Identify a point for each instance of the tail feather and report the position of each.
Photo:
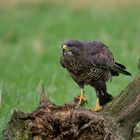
(119, 68)
(120, 65)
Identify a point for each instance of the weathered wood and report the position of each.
(125, 109)
(116, 121)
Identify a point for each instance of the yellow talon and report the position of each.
(97, 107)
(81, 97)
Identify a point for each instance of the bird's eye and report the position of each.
(70, 46)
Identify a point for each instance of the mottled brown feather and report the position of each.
(91, 63)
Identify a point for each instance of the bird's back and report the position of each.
(98, 54)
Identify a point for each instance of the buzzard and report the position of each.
(91, 63)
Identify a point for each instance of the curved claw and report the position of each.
(97, 107)
(82, 100)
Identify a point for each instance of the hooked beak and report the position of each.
(66, 48)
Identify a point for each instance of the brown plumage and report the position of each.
(91, 63)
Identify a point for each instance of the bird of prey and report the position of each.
(91, 63)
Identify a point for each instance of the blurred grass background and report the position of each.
(31, 34)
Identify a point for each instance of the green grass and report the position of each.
(30, 49)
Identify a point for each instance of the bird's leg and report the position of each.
(81, 97)
(100, 88)
(97, 106)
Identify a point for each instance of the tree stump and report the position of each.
(116, 121)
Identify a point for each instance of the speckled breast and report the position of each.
(85, 73)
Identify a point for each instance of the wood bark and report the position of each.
(116, 121)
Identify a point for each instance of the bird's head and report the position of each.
(71, 47)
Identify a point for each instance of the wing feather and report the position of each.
(99, 55)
